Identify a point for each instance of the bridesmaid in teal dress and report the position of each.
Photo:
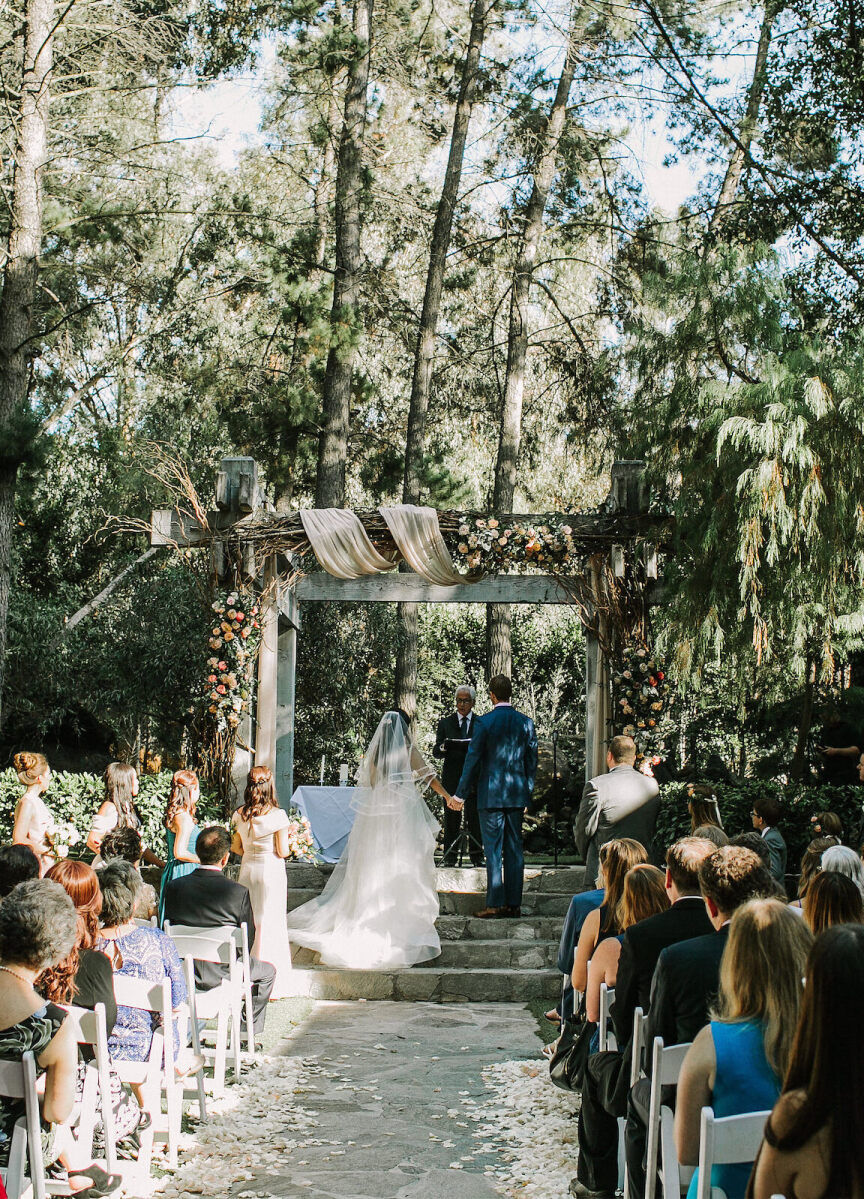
(181, 831)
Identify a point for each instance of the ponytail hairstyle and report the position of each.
(616, 858)
(260, 794)
(30, 767)
(119, 781)
(183, 783)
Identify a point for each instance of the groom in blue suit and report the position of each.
(503, 753)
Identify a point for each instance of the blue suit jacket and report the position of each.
(501, 761)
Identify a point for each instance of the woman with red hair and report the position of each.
(85, 977)
(181, 831)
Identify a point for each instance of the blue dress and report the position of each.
(744, 1082)
(146, 953)
(174, 869)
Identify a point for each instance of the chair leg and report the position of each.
(174, 1105)
(236, 1038)
(221, 1054)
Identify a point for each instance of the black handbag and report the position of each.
(567, 1065)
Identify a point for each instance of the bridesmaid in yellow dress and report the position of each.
(260, 829)
(33, 817)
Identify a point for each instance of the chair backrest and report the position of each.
(638, 1041)
(222, 944)
(607, 994)
(18, 1081)
(87, 1024)
(666, 1063)
(143, 994)
(725, 1140)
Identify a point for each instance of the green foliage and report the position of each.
(77, 797)
(735, 800)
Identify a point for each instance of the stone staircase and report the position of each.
(483, 961)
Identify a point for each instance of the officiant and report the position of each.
(451, 743)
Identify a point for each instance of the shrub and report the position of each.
(75, 797)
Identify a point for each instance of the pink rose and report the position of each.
(211, 678)
(221, 665)
(221, 688)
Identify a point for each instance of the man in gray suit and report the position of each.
(622, 803)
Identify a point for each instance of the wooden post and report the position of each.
(596, 691)
(265, 731)
(286, 675)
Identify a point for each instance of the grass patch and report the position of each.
(546, 1030)
(283, 1016)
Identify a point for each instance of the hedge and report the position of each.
(75, 797)
(798, 803)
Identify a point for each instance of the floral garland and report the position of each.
(643, 695)
(487, 545)
(236, 638)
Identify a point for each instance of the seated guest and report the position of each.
(18, 864)
(644, 896)
(811, 864)
(139, 952)
(207, 899)
(38, 928)
(827, 824)
(580, 906)
(765, 816)
(753, 842)
(621, 855)
(737, 1063)
(712, 833)
(125, 844)
(814, 1140)
(687, 977)
(607, 1076)
(84, 977)
(842, 860)
(832, 898)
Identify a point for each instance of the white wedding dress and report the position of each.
(378, 909)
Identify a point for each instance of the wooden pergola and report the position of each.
(618, 541)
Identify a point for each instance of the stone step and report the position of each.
(495, 955)
(561, 879)
(432, 985)
(456, 903)
(526, 928)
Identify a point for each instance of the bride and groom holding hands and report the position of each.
(379, 907)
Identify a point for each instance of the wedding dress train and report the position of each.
(378, 909)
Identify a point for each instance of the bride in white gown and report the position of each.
(378, 909)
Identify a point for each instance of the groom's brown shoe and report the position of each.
(490, 913)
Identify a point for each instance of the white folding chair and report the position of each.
(155, 1075)
(665, 1070)
(726, 1140)
(90, 1029)
(240, 936)
(18, 1081)
(224, 1003)
(607, 1038)
(635, 1071)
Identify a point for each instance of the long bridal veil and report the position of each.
(379, 906)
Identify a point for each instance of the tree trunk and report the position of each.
(747, 129)
(322, 190)
(19, 279)
(345, 315)
(424, 355)
(498, 659)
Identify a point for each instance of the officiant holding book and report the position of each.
(451, 744)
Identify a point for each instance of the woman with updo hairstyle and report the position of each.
(33, 817)
(181, 830)
(118, 810)
(261, 836)
(38, 929)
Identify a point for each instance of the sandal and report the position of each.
(553, 1016)
(549, 1050)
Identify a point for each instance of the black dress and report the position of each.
(94, 983)
(33, 1033)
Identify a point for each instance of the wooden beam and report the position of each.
(411, 588)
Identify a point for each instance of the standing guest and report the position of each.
(842, 860)
(622, 803)
(181, 829)
(814, 1140)
(736, 1064)
(261, 836)
(125, 844)
(503, 756)
(451, 743)
(644, 896)
(832, 898)
(703, 807)
(687, 977)
(607, 1076)
(620, 856)
(38, 926)
(18, 864)
(207, 899)
(140, 952)
(33, 818)
(811, 864)
(840, 747)
(765, 815)
(118, 811)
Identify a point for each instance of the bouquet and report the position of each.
(61, 837)
(300, 838)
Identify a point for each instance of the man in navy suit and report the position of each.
(502, 762)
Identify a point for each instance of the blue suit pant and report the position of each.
(501, 829)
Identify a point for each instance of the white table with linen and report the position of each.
(330, 814)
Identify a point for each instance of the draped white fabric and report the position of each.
(341, 545)
(416, 533)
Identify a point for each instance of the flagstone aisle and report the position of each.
(381, 1100)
